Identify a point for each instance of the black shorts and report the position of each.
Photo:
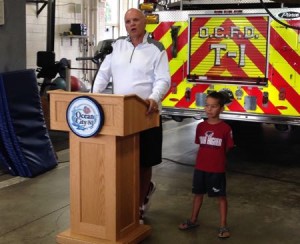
(151, 146)
(214, 184)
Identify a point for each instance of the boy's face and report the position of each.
(213, 108)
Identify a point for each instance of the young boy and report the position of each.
(214, 137)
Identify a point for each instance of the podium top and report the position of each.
(123, 114)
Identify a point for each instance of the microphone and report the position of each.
(84, 58)
(101, 55)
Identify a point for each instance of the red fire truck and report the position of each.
(249, 50)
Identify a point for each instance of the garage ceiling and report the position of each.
(287, 1)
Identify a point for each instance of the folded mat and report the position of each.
(26, 148)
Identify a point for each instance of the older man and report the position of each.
(139, 65)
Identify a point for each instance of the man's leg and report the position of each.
(145, 179)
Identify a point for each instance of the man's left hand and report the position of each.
(152, 106)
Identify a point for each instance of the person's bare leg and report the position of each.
(145, 179)
(197, 203)
(223, 205)
(223, 211)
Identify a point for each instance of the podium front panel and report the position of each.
(104, 185)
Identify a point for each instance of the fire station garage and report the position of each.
(70, 158)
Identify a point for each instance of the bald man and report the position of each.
(139, 65)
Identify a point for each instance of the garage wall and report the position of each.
(13, 37)
(25, 33)
(66, 12)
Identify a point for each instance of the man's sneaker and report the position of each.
(141, 216)
(141, 221)
(151, 190)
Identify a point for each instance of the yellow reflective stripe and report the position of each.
(274, 99)
(286, 70)
(181, 88)
(262, 40)
(290, 36)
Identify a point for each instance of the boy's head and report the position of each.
(214, 105)
(218, 96)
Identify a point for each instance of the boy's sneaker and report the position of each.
(151, 190)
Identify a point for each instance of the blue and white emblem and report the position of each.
(85, 116)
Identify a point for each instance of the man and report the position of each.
(139, 65)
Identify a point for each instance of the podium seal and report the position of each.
(85, 116)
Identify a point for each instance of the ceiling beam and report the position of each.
(287, 1)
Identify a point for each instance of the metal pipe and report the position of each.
(50, 25)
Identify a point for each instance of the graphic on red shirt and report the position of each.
(214, 140)
(209, 139)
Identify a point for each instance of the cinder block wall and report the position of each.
(66, 13)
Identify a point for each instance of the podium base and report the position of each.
(134, 237)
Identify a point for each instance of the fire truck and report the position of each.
(248, 50)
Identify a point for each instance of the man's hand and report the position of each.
(152, 106)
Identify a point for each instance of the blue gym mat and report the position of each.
(25, 149)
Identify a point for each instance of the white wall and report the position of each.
(92, 13)
(66, 12)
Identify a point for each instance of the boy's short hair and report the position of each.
(219, 96)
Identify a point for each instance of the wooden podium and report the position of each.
(104, 170)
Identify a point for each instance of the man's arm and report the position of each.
(161, 84)
(162, 78)
(103, 76)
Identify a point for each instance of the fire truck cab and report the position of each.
(248, 50)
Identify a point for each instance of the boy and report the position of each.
(214, 137)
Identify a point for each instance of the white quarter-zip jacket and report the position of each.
(142, 70)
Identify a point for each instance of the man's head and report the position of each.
(135, 23)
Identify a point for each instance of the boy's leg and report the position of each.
(217, 188)
(197, 203)
(223, 211)
(191, 223)
(223, 230)
(199, 189)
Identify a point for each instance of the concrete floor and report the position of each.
(263, 192)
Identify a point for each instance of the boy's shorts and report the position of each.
(151, 146)
(214, 184)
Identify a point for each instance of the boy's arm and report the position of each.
(229, 141)
(197, 141)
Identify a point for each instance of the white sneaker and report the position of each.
(151, 190)
(141, 216)
(141, 221)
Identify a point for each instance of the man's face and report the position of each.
(135, 23)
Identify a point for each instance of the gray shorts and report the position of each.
(214, 184)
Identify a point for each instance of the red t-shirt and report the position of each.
(214, 140)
